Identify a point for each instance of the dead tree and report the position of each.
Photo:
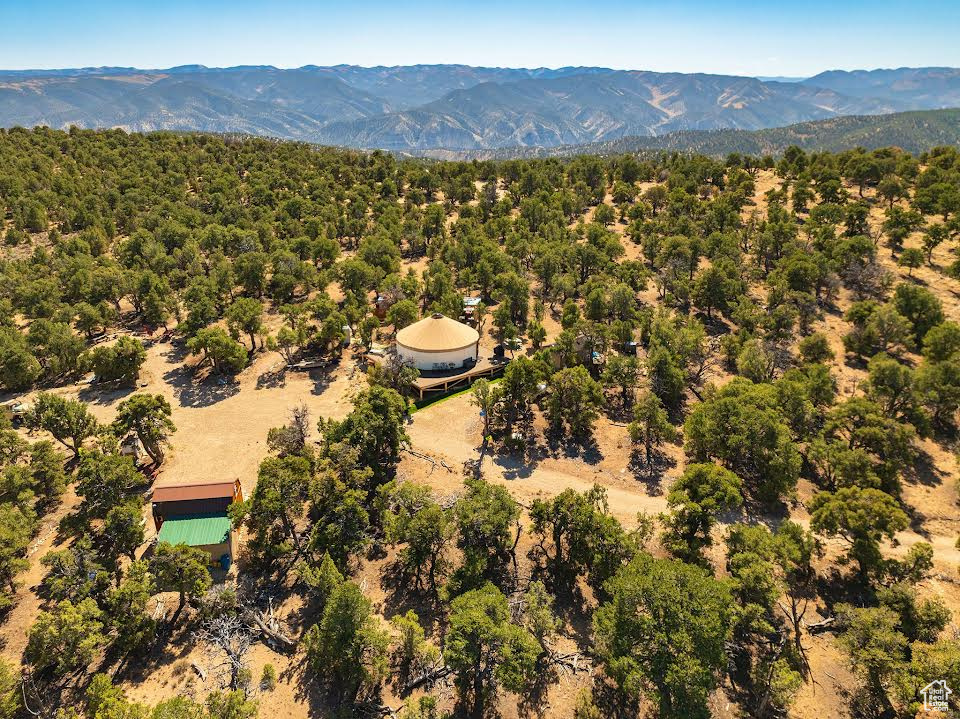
(300, 423)
(795, 614)
(34, 699)
(572, 662)
(292, 438)
(228, 638)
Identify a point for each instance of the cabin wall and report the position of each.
(216, 551)
(215, 505)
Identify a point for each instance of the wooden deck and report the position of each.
(442, 382)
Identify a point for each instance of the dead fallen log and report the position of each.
(419, 455)
(200, 671)
(449, 501)
(427, 458)
(573, 662)
(273, 637)
(821, 626)
(428, 677)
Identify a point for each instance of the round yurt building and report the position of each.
(438, 343)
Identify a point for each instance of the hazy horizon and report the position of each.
(158, 68)
(684, 37)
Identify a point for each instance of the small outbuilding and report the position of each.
(438, 343)
(196, 515)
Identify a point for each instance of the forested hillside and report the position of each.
(717, 477)
(914, 132)
(452, 107)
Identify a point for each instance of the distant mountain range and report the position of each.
(912, 131)
(456, 107)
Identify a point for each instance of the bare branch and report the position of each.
(229, 639)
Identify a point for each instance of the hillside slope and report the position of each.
(911, 131)
(586, 108)
(924, 85)
(455, 107)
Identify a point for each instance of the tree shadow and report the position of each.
(312, 691)
(273, 379)
(207, 391)
(51, 694)
(171, 643)
(583, 448)
(298, 619)
(533, 701)
(401, 595)
(918, 522)
(946, 434)
(571, 603)
(714, 325)
(831, 308)
(923, 470)
(676, 414)
(461, 710)
(618, 411)
(106, 393)
(612, 702)
(774, 513)
(834, 587)
(572, 607)
(177, 353)
(514, 466)
(651, 475)
(321, 378)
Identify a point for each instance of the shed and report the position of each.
(196, 514)
(210, 532)
(438, 343)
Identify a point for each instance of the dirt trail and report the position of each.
(451, 430)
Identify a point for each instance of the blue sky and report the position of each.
(721, 36)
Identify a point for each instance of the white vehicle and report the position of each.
(14, 410)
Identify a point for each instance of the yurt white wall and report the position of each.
(437, 343)
(430, 360)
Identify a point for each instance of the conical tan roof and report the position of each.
(437, 333)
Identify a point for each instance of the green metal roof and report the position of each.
(195, 530)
